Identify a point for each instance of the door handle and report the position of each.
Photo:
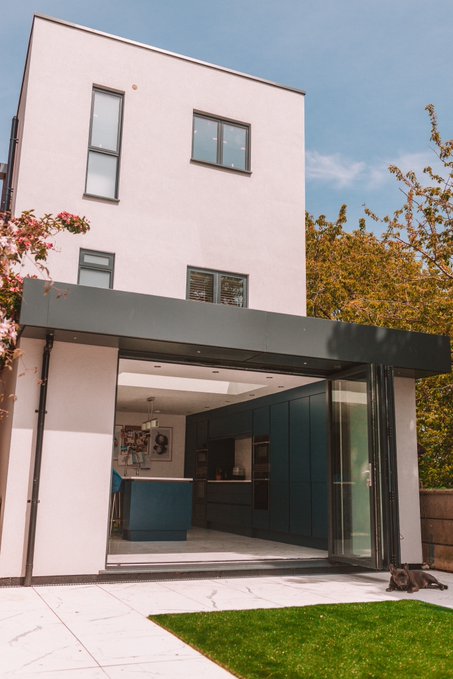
(367, 475)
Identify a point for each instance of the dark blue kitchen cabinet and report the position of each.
(289, 484)
(319, 464)
(279, 468)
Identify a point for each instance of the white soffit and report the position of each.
(127, 379)
(180, 389)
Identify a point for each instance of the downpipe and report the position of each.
(34, 501)
(8, 193)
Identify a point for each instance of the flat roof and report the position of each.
(184, 331)
(175, 55)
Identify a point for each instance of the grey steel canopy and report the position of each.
(186, 331)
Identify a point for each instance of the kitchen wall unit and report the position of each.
(287, 497)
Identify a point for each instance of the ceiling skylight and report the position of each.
(127, 379)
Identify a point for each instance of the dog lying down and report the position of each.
(406, 580)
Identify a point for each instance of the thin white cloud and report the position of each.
(333, 169)
(379, 173)
(343, 172)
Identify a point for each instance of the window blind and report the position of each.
(231, 290)
(201, 286)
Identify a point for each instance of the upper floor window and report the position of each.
(104, 144)
(96, 268)
(221, 142)
(217, 287)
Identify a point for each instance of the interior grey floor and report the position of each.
(207, 545)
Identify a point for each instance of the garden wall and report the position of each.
(436, 508)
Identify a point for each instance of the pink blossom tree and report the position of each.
(23, 238)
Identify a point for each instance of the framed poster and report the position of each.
(160, 444)
(134, 446)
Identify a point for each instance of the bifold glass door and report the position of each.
(354, 484)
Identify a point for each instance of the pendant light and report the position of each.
(151, 422)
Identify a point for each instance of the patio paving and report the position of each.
(98, 631)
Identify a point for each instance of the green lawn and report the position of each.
(394, 639)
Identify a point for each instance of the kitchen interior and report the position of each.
(189, 476)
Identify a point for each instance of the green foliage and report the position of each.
(403, 639)
(435, 431)
(357, 278)
(403, 280)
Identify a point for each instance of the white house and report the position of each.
(183, 307)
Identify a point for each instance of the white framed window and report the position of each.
(218, 287)
(104, 144)
(96, 268)
(221, 142)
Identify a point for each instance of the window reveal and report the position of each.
(217, 287)
(104, 144)
(96, 268)
(221, 142)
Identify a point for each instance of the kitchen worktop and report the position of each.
(229, 481)
(156, 478)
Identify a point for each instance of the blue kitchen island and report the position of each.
(156, 508)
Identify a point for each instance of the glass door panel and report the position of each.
(352, 491)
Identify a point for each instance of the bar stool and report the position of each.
(115, 509)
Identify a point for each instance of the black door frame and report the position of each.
(386, 430)
(384, 496)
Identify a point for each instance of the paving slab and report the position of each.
(98, 631)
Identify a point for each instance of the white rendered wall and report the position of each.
(172, 213)
(407, 468)
(161, 468)
(16, 466)
(7, 388)
(76, 467)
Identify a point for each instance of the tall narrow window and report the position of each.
(221, 142)
(217, 287)
(96, 268)
(104, 144)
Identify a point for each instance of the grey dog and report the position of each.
(406, 580)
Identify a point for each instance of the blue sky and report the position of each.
(369, 67)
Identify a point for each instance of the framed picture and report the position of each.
(133, 447)
(160, 444)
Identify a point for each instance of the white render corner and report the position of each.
(407, 469)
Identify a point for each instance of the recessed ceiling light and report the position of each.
(198, 351)
(305, 363)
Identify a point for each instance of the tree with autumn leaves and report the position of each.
(402, 279)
